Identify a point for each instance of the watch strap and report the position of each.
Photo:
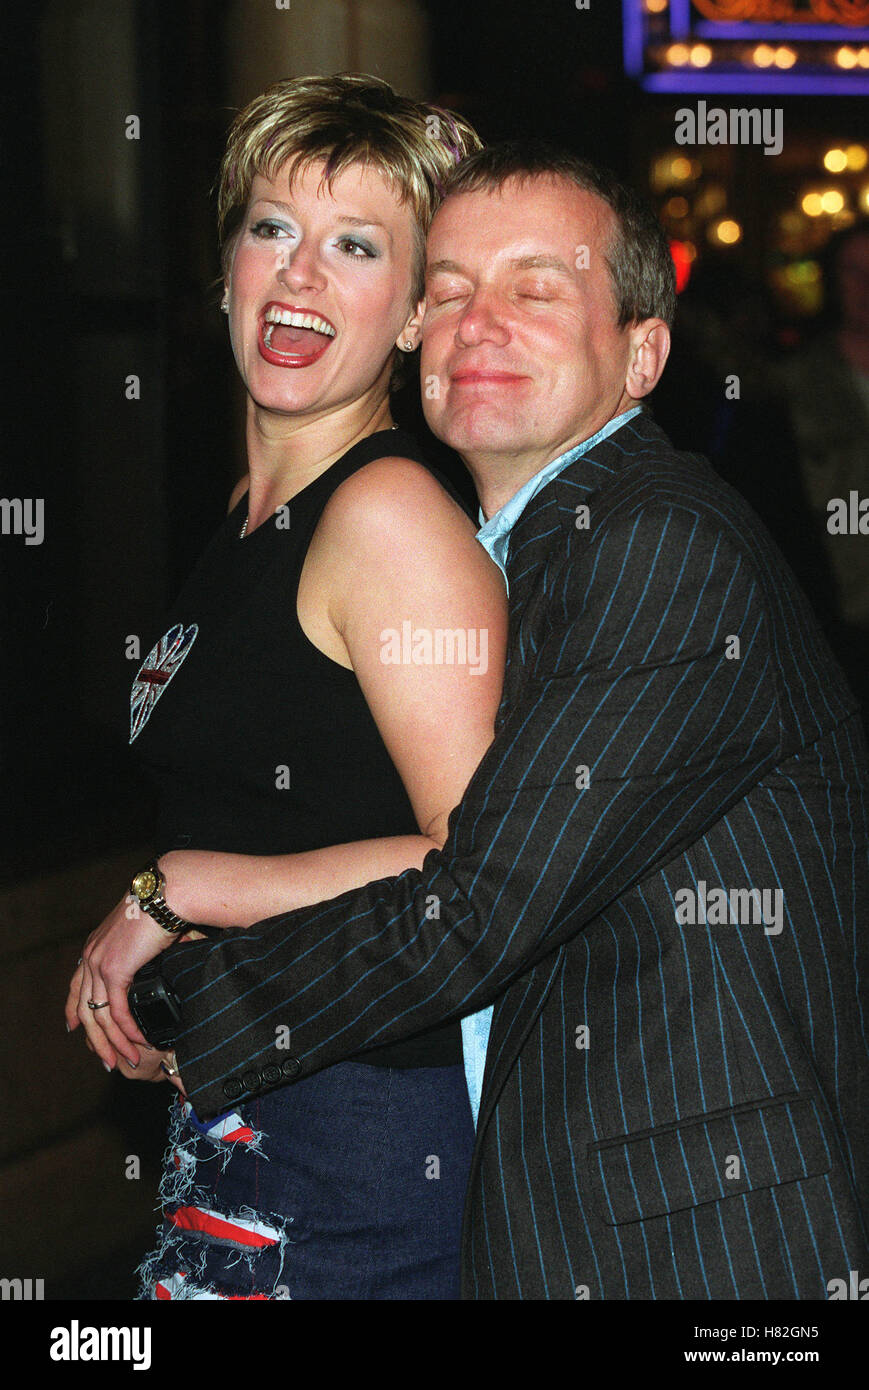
(147, 888)
(155, 1006)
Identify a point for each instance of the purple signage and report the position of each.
(772, 46)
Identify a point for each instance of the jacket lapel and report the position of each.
(541, 532)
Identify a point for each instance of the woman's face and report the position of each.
(319, 287)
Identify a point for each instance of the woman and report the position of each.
(280, 715)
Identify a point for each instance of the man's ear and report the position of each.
(408, 338)
(650, 347)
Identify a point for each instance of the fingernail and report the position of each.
(133, 1064)
(67, 1027)
(107, 1067)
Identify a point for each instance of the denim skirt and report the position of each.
(348, 1184)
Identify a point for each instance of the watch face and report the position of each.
(145, 884)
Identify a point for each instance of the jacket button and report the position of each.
(232, 1088)
(291, 1066)
(251, 1080)
(271, 1074)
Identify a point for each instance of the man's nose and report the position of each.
(483, 320)
(299, 267)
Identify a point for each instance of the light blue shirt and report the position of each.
(494, 537)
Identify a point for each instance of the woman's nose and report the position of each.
(298, 267)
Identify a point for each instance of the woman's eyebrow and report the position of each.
(273, 203)
(342, 216)
(360, 221)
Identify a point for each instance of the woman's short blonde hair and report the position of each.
(343, 120)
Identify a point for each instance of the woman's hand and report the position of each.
(153, 1066)
(125, 941)
(128, 939)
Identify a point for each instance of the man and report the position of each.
(657, 873)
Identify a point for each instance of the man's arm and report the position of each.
(637, 682)
(436, 720)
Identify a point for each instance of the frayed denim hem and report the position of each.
(199, 1237)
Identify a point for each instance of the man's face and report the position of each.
(520, 324)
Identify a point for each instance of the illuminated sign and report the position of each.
(772, 46)
(786, 11)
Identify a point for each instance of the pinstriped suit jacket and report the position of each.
(671, 1108)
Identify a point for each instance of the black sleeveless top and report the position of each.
(256, 741)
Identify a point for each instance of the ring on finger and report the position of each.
(94, 1007)
(172, 1069)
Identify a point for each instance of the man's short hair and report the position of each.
(639, 261)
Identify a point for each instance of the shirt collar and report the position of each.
(494, 534)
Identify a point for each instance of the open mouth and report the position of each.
(293, 337)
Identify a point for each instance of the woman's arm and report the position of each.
(399, 590)
(393, 573)
(236, 890)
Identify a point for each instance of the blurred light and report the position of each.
(846, 58)
(835, 161)
(795, 232)
(832, 200)
(659, 172)
(679, 53)
(683, 253)
(857, 157)
(802, 272)
(669, 168)
(656, 6)
(802, 282)
(785, 57)
(798, 286)
(701, 55)
(677, 207)
(863, 57)
(864, 197)
(682, 168)
(727, 231)
(812, 204)
(710, 200)
(764, 56)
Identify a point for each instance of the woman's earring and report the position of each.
(408, 345)
(224, 303)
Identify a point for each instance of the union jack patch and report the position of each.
(155, 673)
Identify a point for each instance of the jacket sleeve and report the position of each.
(650, 709)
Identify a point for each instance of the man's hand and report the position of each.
(154, 1066)
(119, 947)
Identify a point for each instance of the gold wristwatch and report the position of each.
(147, 888)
